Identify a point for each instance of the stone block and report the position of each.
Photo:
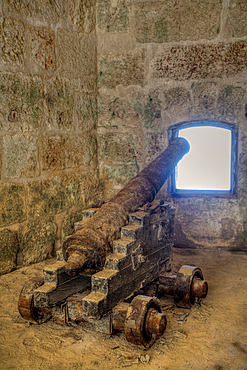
(204, 95)
(151, 22)
(121, 173)
(117, 147)
(47, 10)
(76, 54)
(113, 17)
(81, 150)
(21, 103)
(53, 152)
(12, 201)
(112, 111)
(148, 107)
(86, 111)
(37, 240)
(175, 21)
(8, 251)
(69, 221)
(177, 102)
(230, 102)
(133, 112)
(55, 195)
(182, 63)
(82, 15)
(43, 47)
(154, 145)
(88, 84)
(238, 17)
(21, 156)
(60, 151)
(60, 104)
(91, 189)
(125, 71)
(12, 42)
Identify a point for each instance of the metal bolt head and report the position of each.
(199, 288)
(155, 322)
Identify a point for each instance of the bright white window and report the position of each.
(207, 166)
(210, 165)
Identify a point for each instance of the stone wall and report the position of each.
(48, 147)
(165, 62)
(87, 93)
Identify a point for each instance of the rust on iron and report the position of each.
(155, 322)
(119, 315)
(183, 286)
(87, 248)
(26, 302)
(187, 285)
(166, 284)
(142, 324)
(199, 288)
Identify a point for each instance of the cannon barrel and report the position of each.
(86, 250)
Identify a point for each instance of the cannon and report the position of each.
(88, 247)
(114, 252)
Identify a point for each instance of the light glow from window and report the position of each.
(207, 166)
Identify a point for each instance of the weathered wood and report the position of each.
(87, 248)
(48, 294)
(26, 305)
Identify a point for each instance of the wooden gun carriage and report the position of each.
(115, 251)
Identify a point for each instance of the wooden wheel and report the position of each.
(144, 321)
(26, 305)
(189, 286)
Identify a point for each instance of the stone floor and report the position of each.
(211, 336)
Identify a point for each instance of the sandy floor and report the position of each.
(212, 336)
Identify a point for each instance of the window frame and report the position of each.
(173, 133)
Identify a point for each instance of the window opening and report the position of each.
(209, 167)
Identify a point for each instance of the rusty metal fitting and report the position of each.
(186, 286)
(155, 322)
(166, 284)
(199, 288)
(144, 321)
(75, 263)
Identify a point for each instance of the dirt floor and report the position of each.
(211, 336)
